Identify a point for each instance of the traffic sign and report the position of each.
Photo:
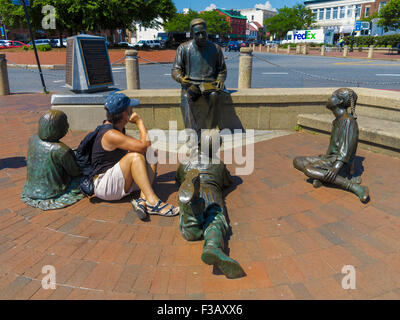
(358, 26)
(19, 2)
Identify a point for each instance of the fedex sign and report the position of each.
(305, 35)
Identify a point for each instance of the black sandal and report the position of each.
(139, 208)
(156, 210)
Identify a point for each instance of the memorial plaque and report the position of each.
(70, 62)
(88, 67)
(97, 64)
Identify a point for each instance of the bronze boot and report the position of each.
(190, 188)
(213, 254)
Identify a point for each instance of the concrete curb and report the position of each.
(62, 66)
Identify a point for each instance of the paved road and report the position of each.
(280, 71)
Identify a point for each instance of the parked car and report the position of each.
(125, 44)
(55, 43)
(40, 42)
(8, 44)
(148, 44)
(159, 44)
(232, 46)
(243, 44)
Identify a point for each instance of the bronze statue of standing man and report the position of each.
(200, 68)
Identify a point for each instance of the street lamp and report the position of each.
(352, 41)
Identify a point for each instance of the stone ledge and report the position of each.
(374, 134)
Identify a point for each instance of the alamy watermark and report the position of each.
(49, 20)
(349, 281)
(49, 280)
(232, 147)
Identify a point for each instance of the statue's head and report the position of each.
(198, 30)
(210, 141)
(343, 98)
(53, 125)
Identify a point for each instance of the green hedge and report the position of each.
(41, 47)
(380, 42)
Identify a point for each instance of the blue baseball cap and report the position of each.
(119, 102)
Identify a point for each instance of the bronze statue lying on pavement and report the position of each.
(341, 151)
(202, 205)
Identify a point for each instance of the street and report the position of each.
(269, 71)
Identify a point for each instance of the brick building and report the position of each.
(370, 8)
(237, 23)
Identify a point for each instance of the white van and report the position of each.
(312, 35)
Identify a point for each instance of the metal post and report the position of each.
(4, 85)
(132, 70)
(245, 68)
(34, 46)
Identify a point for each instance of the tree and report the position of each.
(181, 22)
(12, 15)
(389, 16)
(216, 23)
(298, 17)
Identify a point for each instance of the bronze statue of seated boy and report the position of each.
(52, 173)
(202, 208)
(341, 151)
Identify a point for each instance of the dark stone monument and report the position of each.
(88, 67)
(337, 165)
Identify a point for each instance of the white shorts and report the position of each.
(110, 185)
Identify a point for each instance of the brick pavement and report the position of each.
(58, 56)
(291, 239)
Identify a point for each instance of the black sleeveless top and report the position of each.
(102, 160)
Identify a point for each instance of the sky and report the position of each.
(200, 5)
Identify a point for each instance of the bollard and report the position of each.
(288, 49)
(260, 47)
(4, 84)
(322, 50)
(304, 49)
(268, 48)
(276, 49)
(245, 68)
(132, 70)
(298, 49)
(371, 52)
(345, 51)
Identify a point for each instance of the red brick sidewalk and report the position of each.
(291, 239)
(58, 56)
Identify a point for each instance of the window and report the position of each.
(321, 14)
(342, 12)
(367, 10)
(358, 11)
(335, 12)
(349, 11)
(328, 13)
(315, 14)
(252, 18)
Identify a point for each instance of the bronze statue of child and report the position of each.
(202, 207)
(341, 151)
(52, 173)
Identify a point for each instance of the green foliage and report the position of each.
(381, 41)
(13, 16)
(389, 16)
(75, 16)
(298, 17)
(39, 47)
(216, 23)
